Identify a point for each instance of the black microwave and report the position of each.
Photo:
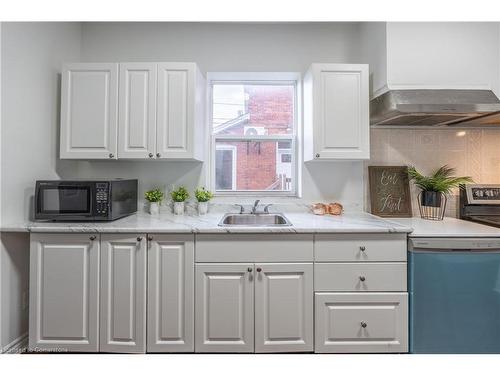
(85, 200)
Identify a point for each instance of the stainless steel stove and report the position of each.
(480, 203)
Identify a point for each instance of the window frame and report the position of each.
(262, 78)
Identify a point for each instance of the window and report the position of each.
(254, 128)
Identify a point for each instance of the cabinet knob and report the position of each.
(151, 154)
(317, 155)
(362, 278)
(259, 269)
(92, 238)
(158, 155)
(150, 238)
(362, 248)
(363, 324)
(139, 239)
(111, 156)
(249, 269)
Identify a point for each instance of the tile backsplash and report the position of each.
(473, 152)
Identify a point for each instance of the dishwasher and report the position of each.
(454, 292)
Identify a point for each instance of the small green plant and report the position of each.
(155, 195)
(203, 195)
(180, 195)
(441, 180)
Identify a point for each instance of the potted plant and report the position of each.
(434, 188)
(179, 197)
(203, 196)
(154, 197)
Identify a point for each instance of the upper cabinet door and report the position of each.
(336, 112)
(137, 111)
(224, 308)
(180, 119)
(64, 292)
(170, 293)
(89, 109)
(123, 293)
(284, 307)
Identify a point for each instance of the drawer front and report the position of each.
(389, 247)
(254, 248)
(361, 322)
(360, 277)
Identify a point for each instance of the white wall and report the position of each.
(32, 54)
(225, 47)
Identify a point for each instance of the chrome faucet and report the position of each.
(254, 208)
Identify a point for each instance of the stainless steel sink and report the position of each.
(254, 220)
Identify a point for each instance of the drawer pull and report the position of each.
(139, 239)
(259, 269)
(362, 248)
(362, 278)
(363, 324)
(249, 269)
(92, 238)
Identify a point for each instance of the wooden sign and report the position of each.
(390, 191)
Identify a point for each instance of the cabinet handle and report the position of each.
(139, 239)
(92, 238)
(249, 269)
(363, 324)
(158, 155)
(317, 155)
(259, 269)
(362, 248)
(111, 156)
(150, 238)
(362, 278)
(151, 154)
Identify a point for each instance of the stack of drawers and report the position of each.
(361, 299)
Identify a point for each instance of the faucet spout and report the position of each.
(254, 208)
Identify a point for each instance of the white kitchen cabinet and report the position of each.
(123, 293)
(170, 293)
(361, 322)
(137, 111)
(89, 111)
(64, 292)
(284, 307)
(224, 308)
(181, 103)
(336, 112)
(132, 111)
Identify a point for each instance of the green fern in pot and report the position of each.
(433, 187)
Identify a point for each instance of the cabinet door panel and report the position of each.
(284, 307)
(123, 293)
(360, 323)
(171, 294)
(224, 308)
(137, 110)
(64, 294)
(89, 111)
(176, 97)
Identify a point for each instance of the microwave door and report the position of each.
(66, 200)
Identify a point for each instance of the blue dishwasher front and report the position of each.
(454, 299)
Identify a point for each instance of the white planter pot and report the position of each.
(154, 208)
(202, 208)
(179, 208)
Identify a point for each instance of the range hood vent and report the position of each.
(431, 107)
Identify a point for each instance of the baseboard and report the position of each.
(17, 346)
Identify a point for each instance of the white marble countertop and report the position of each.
(168, 223)
(449, 227)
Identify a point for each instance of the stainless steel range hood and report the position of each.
(461, 108)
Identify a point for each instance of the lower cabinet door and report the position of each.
(170, 293)
(361, 322)
(284, 307)
(224, 308)
(123, 293)
(64, 292)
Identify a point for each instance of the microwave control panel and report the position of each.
(102, 198)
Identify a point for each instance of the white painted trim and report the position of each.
(271, 77)
(16, 346)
